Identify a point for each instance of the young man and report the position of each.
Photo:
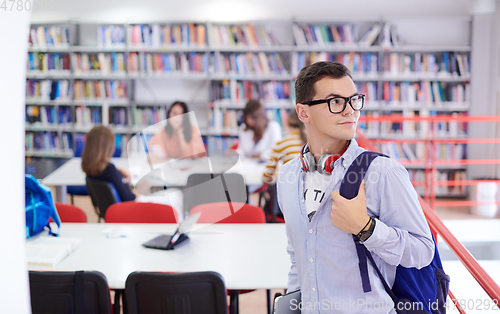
(320, 223)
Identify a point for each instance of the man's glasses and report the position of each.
(338, 104)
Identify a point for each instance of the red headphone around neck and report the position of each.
(325, 162)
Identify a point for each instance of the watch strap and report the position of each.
(364, 235)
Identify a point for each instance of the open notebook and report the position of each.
(48, 251)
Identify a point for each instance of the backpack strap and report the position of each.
(370, 257)
(349, 189)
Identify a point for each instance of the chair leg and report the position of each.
(72, 199)
(269, 303)
(116, 306)
(233, 302)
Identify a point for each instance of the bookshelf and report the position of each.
(126, 75)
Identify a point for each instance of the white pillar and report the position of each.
(14, 291)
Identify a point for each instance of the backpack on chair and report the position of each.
(415, 290)
(39, 207)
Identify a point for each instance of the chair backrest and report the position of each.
(203, 188)
(70, 213)
(69, 292)
(224, 212)
(103, 194)
(180, 293)
(134, 212)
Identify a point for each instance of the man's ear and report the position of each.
(303, 112)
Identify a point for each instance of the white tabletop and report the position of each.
(248, 256)
(168, 174)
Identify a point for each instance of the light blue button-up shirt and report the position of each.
(324, 263)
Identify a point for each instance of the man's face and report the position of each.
(339, 126)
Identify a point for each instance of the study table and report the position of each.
(169, 174)
(248, 256)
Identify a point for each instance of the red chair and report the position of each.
(70, 213)
(222, 212)
(225, 213)
(135, 212)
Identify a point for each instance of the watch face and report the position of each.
(365, 236)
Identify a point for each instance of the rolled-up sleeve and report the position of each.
(402, 235)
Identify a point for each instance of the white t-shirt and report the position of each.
(314, 190)
(247, 147)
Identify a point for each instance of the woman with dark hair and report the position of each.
(257, 135)
(179, 139)
(287, 148)
(99, 148)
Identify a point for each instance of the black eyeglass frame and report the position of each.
(346, 100)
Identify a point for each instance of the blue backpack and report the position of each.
(39, 207)
(415, 290)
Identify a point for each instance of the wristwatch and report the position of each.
(364, 235)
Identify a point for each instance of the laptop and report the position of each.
(169, 242)
(288, 304)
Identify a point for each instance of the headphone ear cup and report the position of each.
(310, 161)
(325, 163)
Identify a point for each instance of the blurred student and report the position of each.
(287, 148)
(257, 135)
(98, 151)
(179, 139)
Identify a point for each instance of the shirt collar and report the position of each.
(349, 155)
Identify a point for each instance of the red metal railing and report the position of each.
(437, 227)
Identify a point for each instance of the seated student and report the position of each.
(99, 149)
(179, 139)
(257, 135)
(287, 148)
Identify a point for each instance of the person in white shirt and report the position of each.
(257, 135)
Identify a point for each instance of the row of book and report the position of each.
(154, 63)
(228, 121)
(370, 90)
(118, 117)
(341, 34)
(45, 90)
(241, 91)
(414, 129)
(146, 116)
(53, 63)
(425, 92)
(446, 64)
(49, 36)
(360, 64)
(242, 36)
(99, 63)
(111, 36)
(418, 151)
(248, 63)
(456, 176)
(48, 115)
(100, 90)
(156, 35)
(224, 121)
(218, 143)
(48, 142)
(87, 116)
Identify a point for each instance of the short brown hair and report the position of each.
(309, 75)
(99, 148)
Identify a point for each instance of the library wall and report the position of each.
(483, 93)
(115, 11)
(14, 293)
